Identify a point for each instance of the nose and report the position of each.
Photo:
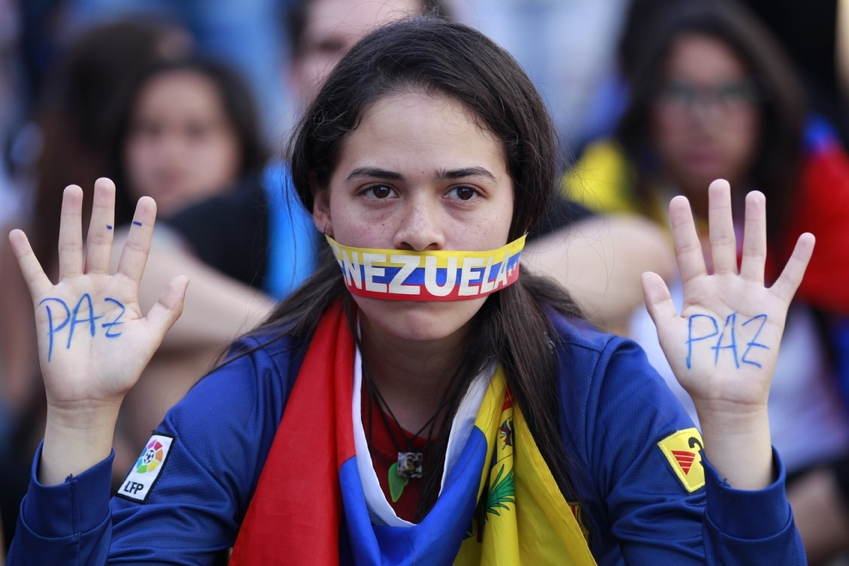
(171, 148)
(419, 228)
(709, 114)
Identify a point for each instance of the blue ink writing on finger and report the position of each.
(728, 329)
(75, 320)
(753, 343)
(51, 328)
(108, 226)
(691, 322)
(115, 321)
(136, 223)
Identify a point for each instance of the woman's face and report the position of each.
(705, 118)
(418, 173)
(181, 147)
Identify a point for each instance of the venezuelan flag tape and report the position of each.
(441, 275)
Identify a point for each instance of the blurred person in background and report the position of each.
(811, 37)
(190, 131)
(712, 96)
(244, 35)
(78, 110)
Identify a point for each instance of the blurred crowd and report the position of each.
(191, 102)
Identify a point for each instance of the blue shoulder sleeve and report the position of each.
(616, 412)
(184, 498)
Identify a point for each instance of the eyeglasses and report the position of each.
(729, 97)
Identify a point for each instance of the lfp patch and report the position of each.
(683, 452)
(146, 470)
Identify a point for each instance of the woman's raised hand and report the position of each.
(94, 341)
(724, 343)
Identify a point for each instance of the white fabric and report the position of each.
(381, 511)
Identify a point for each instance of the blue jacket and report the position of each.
(614, 411)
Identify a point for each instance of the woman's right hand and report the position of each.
(94, 342)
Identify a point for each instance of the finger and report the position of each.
(754, 238)
(723, 242)
(168, 308)
(790, 278)
(137, 247)
(658, 299)
(101, 227)
(70, 233)
(37, 281)
(688, 248)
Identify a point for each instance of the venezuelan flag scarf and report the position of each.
(309, 507)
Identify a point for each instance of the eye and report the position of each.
(379, 192)
(463, 192)
(678, 93)
(738, 92)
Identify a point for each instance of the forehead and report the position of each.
(703, 58)
(181, 78)
(183, 86)
(414, 131)
(353, 19)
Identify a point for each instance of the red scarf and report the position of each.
(296, 510)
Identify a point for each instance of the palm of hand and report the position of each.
(724, 344)
(86, 325)
(94, 341)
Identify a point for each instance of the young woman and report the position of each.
(190, 131)
(429, 404)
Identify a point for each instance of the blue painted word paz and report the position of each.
(726, 339)
(83, 313)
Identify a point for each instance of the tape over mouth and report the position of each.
(431, 275)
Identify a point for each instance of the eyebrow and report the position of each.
(376, 172)
(465, 172)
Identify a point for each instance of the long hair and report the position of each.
(512, 328)
(654, 26)
(237, 103)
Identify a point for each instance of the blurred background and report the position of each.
(192, 102)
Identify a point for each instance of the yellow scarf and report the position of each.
(525, 518)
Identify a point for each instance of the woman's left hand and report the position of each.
(724, 343)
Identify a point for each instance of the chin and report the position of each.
(417, 320)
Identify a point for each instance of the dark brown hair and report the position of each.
(653, 29)
(512, 328)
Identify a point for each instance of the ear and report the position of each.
(321, 212)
